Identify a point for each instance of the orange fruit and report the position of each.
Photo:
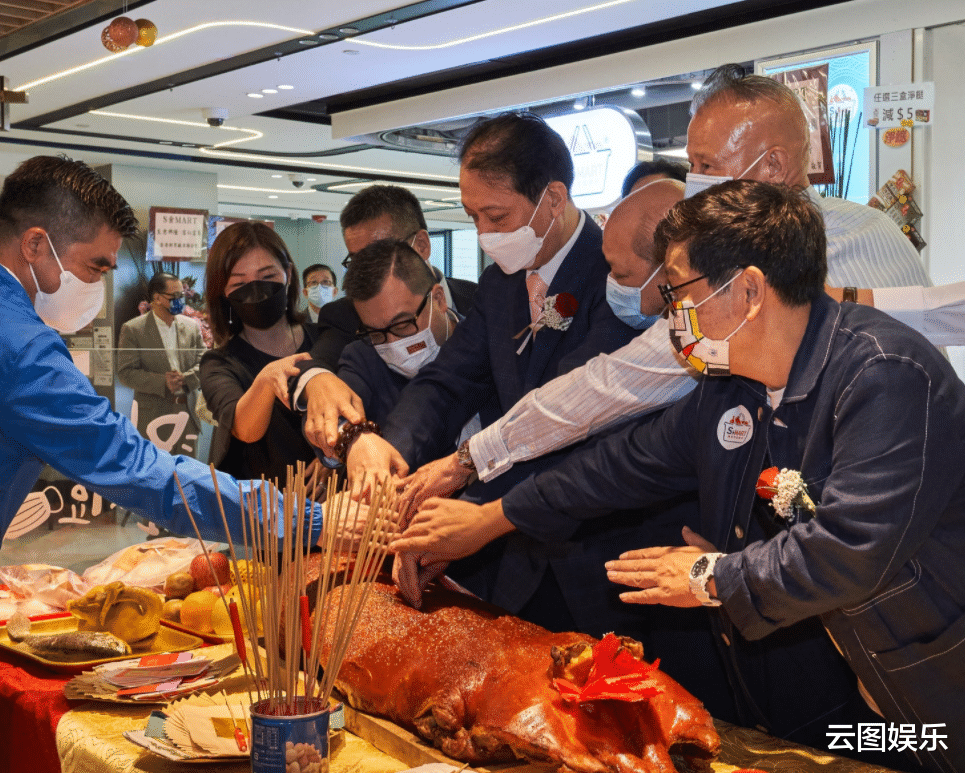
(196, 610)
(221, 619)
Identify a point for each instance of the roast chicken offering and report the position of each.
(485, 687)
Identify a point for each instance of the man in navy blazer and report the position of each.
(515, 179)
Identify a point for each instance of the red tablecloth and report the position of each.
(31, 704)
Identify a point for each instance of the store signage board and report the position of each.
(177, 234)
(890, 106)
(603, 144)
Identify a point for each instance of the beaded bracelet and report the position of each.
(348, 433)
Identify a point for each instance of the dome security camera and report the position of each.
(215, 116)
(297, 180)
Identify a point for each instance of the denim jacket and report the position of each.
(874, 419)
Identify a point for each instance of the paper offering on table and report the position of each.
(172, 677)
(203, 726)
(132, 673)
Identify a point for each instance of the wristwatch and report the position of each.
(700, 575)
(464, 457)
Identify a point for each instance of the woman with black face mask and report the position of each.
(252, 292)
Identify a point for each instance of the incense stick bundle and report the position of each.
(276, 550)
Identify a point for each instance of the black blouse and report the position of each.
(226, 374)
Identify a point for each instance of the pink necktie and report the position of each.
(537, 295)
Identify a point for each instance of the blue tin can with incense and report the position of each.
(287, 738)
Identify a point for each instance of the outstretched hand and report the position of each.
(442, 531)
(372, 460)
(329, 398)
(276, 374)
(663, 574)
(441, 478)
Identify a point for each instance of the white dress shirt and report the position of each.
(865, 249)
(169, 337)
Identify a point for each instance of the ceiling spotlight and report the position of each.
(327, 37)
(285, 87)
(579, 104)
(269, 91)
(276, 176)
(272, 195)
(308, 42)
(309, 179)
(348, 30)
(695, 85)
(638, 91)
(253, 95)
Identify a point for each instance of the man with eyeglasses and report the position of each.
(404, 320)
(319, 286)
(159, 356)
(853, 548)
(374, 213)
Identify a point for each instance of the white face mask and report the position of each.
(701, 182)
(709, 356)
(73, 305)
(407, 355)
(319, 295)
(625, 302)
(518, 249)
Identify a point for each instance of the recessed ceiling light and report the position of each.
(83, 125)
(285, 87)
(350, 51)
(309, 179)
(272, 195)
(308, 42)
(269, 91)
(276, 176)
(165, 142)
(327, 37)
(579, 104)
(638, 91)
(253, 95)
(348, 30)
(695, 85)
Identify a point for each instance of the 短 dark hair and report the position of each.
(743, 223)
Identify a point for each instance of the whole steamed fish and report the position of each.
(72, 644)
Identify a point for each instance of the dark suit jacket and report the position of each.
(481, 360)
(377, 385)
(337, 323)
(142, 364)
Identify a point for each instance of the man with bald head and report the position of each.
(752, 127)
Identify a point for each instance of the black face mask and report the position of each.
(260, 304)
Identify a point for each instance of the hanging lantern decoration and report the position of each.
(119, 34)
(108, 41)
(146, 32)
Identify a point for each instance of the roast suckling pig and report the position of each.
(479, 684)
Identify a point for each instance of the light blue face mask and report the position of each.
(701, 182)
(625, 303)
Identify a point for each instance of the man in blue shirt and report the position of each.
(61, 226)
(869, 416)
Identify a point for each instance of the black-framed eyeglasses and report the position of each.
(400, 329)
(348, 258)
(667, 291)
